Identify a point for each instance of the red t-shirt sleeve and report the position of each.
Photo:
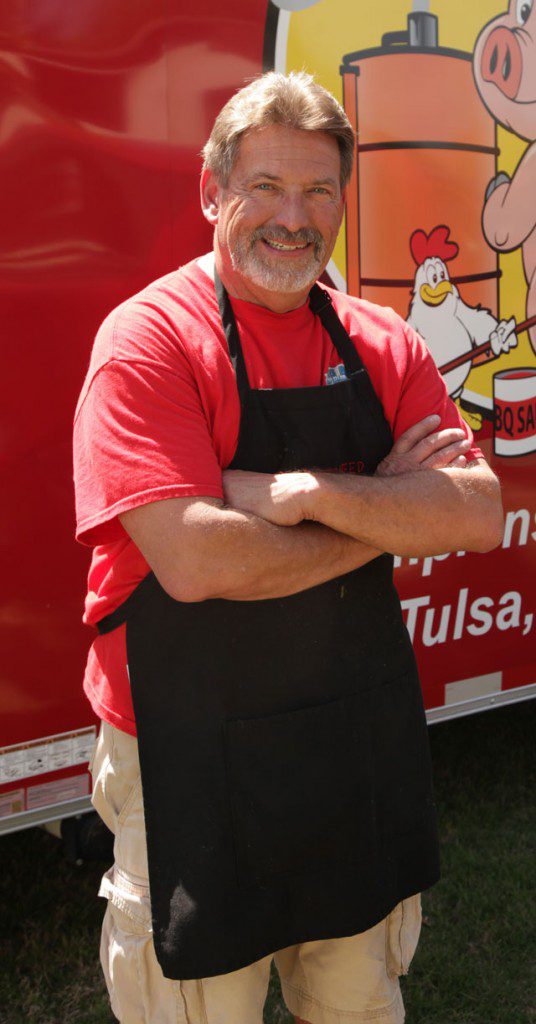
(424, 393)
(140, 435)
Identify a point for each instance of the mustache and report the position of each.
(278, 233)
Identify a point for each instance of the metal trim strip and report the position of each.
(477, 704)
(41, 815)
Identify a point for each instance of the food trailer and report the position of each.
(106, 109)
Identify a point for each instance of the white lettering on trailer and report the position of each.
(483, 621)
(460, 614)
(428, 636)
(412, 605)
(523, 515)
(474, 616)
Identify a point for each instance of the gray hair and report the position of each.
(294, 101)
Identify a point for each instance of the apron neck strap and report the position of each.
(232, 336)
(321, 305)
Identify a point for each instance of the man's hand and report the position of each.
(283, 499)
(279, 499)
(425, 447)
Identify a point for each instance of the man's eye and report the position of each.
(318, 190)
(264, 186)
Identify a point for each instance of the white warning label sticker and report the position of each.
(11, 803)
(56, 792)
(49, 754)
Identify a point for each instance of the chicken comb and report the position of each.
(437, 243)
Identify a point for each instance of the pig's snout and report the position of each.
(502, 62)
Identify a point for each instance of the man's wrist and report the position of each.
(311, 491)
(320, 491)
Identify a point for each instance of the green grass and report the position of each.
(476, 960)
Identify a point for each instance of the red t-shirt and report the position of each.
(158, 417)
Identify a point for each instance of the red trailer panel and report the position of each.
(106, 108)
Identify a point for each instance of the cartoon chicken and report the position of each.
(449, 326)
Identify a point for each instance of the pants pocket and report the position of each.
(115, 770)
(139, 993)
(300, 786)
(117, 798)
(403, 928)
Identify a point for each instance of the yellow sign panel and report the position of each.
(439, 185)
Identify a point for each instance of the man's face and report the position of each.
(280, 212)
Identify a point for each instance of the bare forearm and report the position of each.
(416, 514)
(256, 560)
(424, 498)
(222, 552)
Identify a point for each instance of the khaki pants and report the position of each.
(337, 981)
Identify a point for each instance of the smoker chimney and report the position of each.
(422, 27)
(422, 30)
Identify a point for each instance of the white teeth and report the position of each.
(281, 245)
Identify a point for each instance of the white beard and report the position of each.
(249, 261)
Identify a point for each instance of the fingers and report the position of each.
(415, 434)
(451, 455)
(422, 446)
(438, 442)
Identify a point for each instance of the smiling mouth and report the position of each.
(284, 247)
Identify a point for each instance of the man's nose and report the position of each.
(292, 213)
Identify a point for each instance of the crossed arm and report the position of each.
(422, 500)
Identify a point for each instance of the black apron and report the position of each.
(283, 742)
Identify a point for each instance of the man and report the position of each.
(287, 803)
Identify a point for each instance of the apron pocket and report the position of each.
(301, 789)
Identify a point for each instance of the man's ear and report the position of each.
(210, 196)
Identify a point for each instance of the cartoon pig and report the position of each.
(504, 66)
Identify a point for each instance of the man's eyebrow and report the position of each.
(263, 174)
(325, 181)
(274, 177)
